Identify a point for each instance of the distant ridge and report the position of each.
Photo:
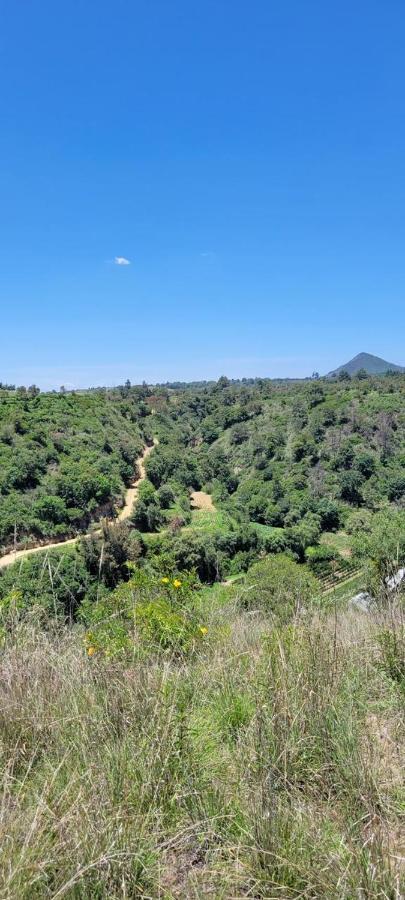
(373, 365)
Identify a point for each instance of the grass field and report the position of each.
(339, 540)
(266, 764)
(209, 520)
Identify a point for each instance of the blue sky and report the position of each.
(247, 158)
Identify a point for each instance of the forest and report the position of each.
(230, 703)
(278, 467)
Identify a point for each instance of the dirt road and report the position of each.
(130, 498)
(132, 492)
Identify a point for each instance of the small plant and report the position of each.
(149, 612)
(391, 642)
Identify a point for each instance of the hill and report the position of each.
(373, 365)
(190, 701)
(65, 460)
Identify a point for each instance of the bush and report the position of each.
(148, 613)
(53, 582)
(329, 513)
(359, 521)
(50, 509)
(107, 554)
(280, 587)
(166, 496)
(319, 558)
(350, 485)
(396, 487)
(384, 544)
(275, 542)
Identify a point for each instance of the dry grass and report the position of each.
(201, 500)
(266, 766)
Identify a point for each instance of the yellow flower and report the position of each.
(203, 629)
(91, 651)
(164, 580)
(176, 583)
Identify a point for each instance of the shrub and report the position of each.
(396, 487)
(54, 582)
(384, 543)
(279, 586)
(148, 613)
(319, 558)
(350, 484)
(166, 496)
(106, 555)
(329, 513)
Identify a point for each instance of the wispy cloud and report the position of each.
(122, 261)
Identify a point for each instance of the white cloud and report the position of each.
(122, 261)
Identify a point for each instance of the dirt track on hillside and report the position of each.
(132, 492)
(130, 498)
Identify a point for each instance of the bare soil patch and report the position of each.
(201, 500)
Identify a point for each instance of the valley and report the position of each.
(208, 657)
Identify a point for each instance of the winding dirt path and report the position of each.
(132, 492)
(130, 497)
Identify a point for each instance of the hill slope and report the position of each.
(64, 461)
(373, 365)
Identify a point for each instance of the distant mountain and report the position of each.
(373, 365)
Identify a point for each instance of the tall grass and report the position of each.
(265, 766)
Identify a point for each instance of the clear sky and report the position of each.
(247, 158)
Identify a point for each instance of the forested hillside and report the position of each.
(65, 459)
(197, 700)
(282, 462)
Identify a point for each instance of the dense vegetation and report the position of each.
(190, 704)
(284, 463)
(290, 467)
(65, 459)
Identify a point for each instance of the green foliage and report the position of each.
(359, 521)
(384, 543)
(106, 555)
(306, 533)
(396, 486)
(166, 496)
(148, 613)
(54, 583)
(329, 512)
(320, 558)
(280, 587)
(284, 462)
(64, 459)
(392, 646)
(350, 487)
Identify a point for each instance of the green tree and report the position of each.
(384, 544)
(350, 486)
(280, 587)
(106, 555)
